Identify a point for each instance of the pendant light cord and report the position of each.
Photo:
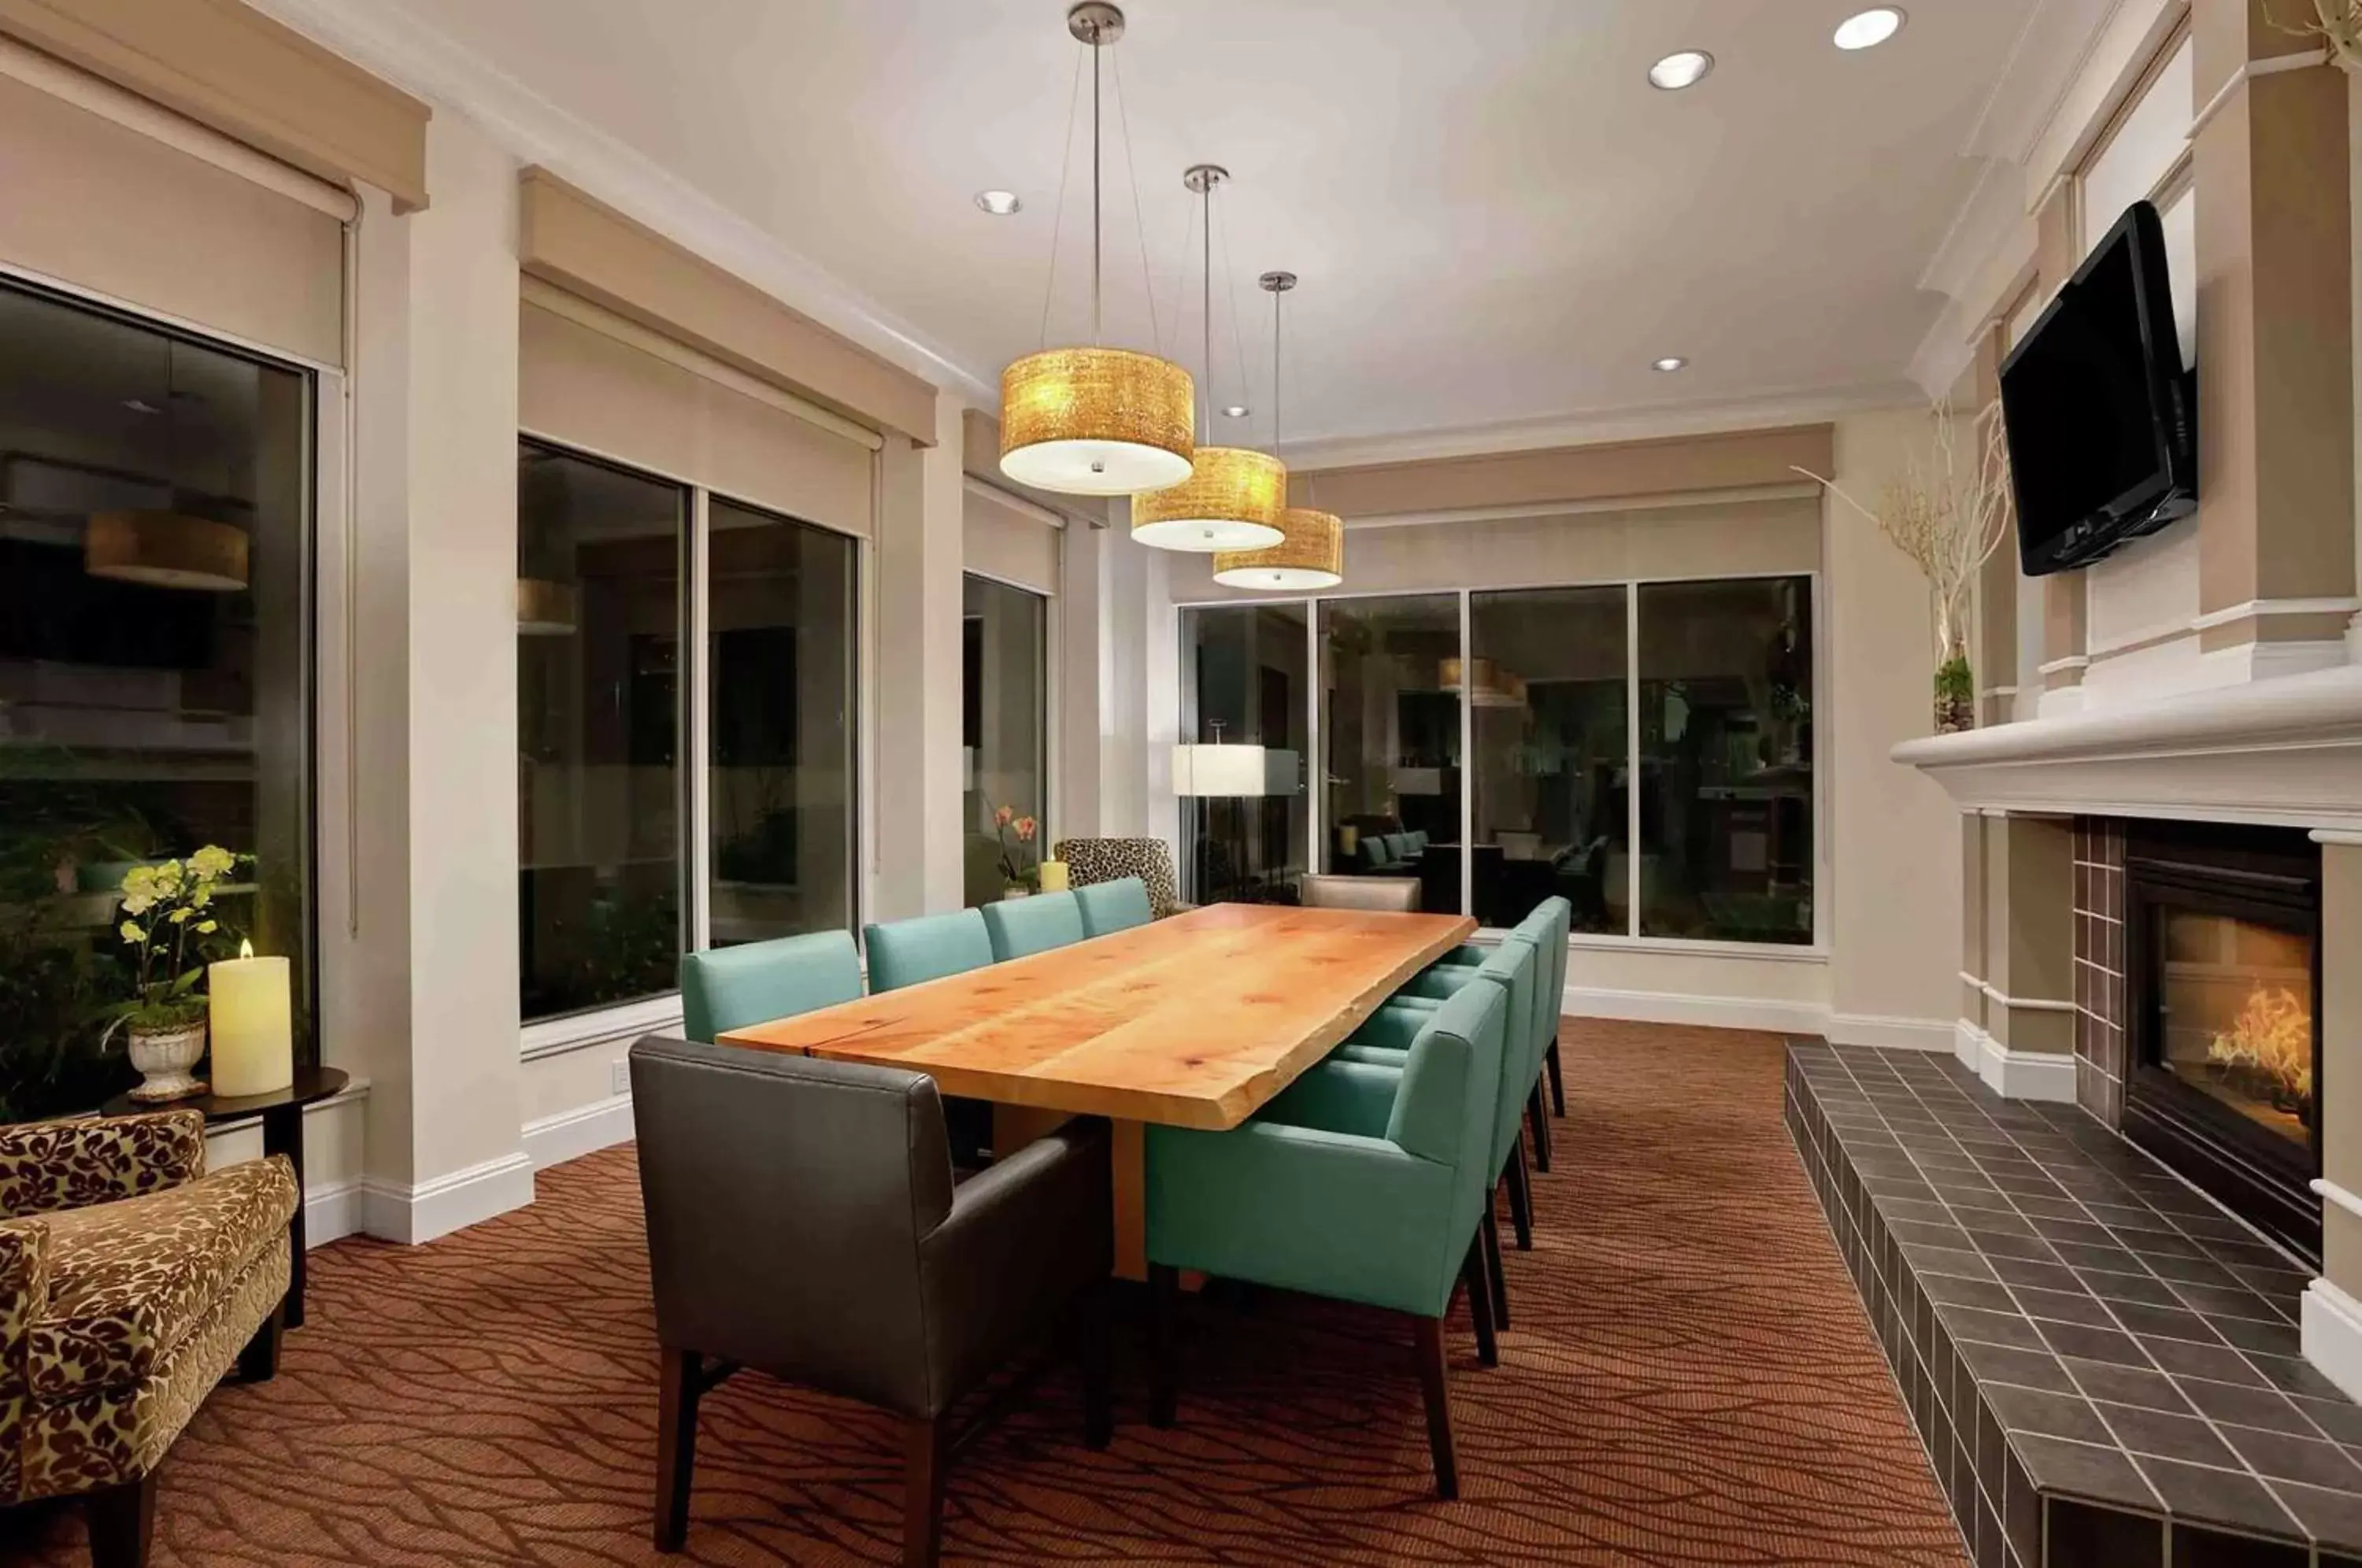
(1206, 398)
(1132, 172)
(1096, 309)
(1058, 218)
(1274, 370)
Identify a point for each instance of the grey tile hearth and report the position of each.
(2104, 1365)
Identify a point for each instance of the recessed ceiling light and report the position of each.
(1237, 411)
(1686, 68)
(1869, 28)
(1000, 203)
(1671, 363)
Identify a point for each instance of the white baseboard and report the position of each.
(1708, 1012)
(426, 1210)
(2332, 1328)
(331, 1213)
(2015, 1074)
(1891, 1033)
(570, 1134)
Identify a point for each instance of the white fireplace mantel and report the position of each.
(2285, 751)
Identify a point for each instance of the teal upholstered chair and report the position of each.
(908, 952)
(730, 987)
(1020, 927)
(1358, 1183)
(1113, 906)
(1516, 968)
(1547, 926)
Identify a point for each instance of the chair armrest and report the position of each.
(1023, 1238)
(1440, 981)
(49, 1166)
(1338, 1097)
(1300, 1208)
(1392, 1027)
(23, 1301)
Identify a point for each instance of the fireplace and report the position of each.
(2222, 985)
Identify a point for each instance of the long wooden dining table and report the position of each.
(1198, 1021)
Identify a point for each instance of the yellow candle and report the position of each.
(1054, 876)
(253, 1032)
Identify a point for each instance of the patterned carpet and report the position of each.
(1689, 1382)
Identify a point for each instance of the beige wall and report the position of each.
(1895, 893)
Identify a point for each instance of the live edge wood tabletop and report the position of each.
(1193, 1022)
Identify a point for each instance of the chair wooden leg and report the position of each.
(1521, 1198)
(1163, 1301)
(1438, 1406)
(1558, 1080)
(1542, 1127)
(1098, 1397)
(922, 1491)
(1479, 1281)
(680, 1383)
(1491, 1238)
(258, 1361)
(122, 1523)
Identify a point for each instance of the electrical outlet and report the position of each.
(619, 1073)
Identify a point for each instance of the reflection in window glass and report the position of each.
(1553, 750)
(1004, 755)
(599, 704)
(1726, 747)
(1242, 683)
(1390, 735)
(155, 584)
(779, 707)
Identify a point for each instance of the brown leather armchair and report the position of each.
(803, 1221)
(130, 1282)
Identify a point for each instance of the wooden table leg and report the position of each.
(1014, 1126)
(282, 1133)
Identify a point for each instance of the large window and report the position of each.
(1243, 683)
(1390, 694)
(647, 825)
(1726, 750)
(1642, 749)
(155, 666)
(1546, 709)
(779, 699)
(599, 722)
(1004, 728)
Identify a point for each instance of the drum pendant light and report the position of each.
(1234, 496)
(1095, 421)
(1311, 554)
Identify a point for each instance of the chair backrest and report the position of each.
(849, 1170)
(1020, 927)
(1392, 894)
(730, 988)
(1372, 850)
(1094, 860)
(906, 952)
(1515, 968)
(1417, 840)
(1397, 847)
(1445, 1109)
(1113, 906)
(1551, 921)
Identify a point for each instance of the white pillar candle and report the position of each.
(253, 1029)
(1054, 876)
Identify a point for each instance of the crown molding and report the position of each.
(1587, 428)
(426, 61)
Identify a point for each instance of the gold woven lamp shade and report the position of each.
(166, 549)
(1231, 500)
(1096, 422)
(1311, 556)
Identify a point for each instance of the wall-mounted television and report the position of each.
(2102, 419)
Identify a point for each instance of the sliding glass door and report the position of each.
(1390, 735)
(1245, 831)
(1004, 735)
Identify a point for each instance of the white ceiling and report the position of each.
(1497, 219)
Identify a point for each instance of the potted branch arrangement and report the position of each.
(1021, 865)
(1948, 512)
(167, 924)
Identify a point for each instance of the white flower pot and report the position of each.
(164, 1058)
(1008, 893)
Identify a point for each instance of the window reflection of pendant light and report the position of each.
(1312, 553)
(1234, 496)
(546, 609)
(1095, 421)
(169, 549)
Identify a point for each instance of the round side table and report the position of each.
(282, 1133)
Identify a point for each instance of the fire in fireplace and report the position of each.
(2223, 983)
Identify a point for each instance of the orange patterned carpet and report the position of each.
(1689, 1383)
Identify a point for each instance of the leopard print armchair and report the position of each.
(1094, 860)
(130, 1283)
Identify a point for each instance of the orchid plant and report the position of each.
(168, 923)
(1015, 871)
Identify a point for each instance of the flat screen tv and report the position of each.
(2102, 419)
